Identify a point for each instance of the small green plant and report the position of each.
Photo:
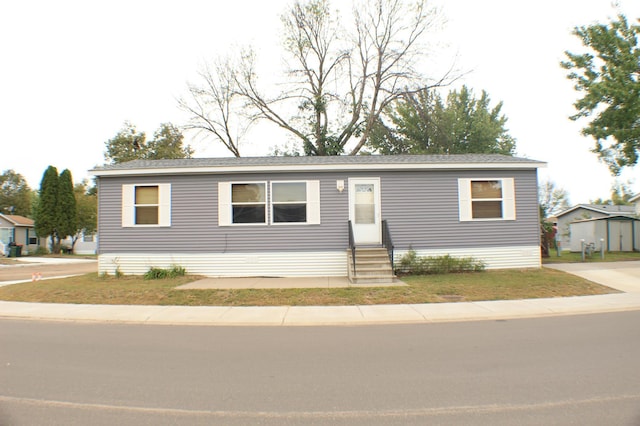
(117, 273)
(159, 273)
(41, 251)
(411, 263)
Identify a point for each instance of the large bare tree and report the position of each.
(215, 105)
(338, 81)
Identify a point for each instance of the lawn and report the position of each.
(132, 290)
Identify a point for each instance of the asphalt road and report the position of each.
(579, 370)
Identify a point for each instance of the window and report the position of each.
(288, 202)
(486, 199)
(146, 205)
(248, 203)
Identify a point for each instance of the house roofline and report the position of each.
(613, 217)
(593, 209)
(315, 167)
(10, 219)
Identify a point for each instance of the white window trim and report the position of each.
(465, 201)
(225, 209)
(128, 205)
(225, 206)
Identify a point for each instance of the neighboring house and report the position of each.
(19, 230)
(586, 211)
(635, 201)
(85, 243)
(289, 216)
(615, 233)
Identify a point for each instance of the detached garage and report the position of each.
(619, 233)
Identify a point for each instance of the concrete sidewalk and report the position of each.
(624, 276)
(322, 315)
(279, 282)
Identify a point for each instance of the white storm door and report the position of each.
(364, 210)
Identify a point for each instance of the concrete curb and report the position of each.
(322, 315)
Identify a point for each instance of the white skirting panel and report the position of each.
(493, 257)
(273, 264)
(296, 264)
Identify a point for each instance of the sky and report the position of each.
(72, 72)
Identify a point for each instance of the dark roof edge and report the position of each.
(258, 164)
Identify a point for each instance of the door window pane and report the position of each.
(365, 209)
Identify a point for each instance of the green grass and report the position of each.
(612, 256)
(135, 290)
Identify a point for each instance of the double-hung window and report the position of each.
(289, 202)
(248, 202)
(275, 202)
(486, 199)
(146, 205)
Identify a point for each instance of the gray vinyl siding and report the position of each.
(194, 219)
(422, 212)
(421, 208)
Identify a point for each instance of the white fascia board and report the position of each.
(316, 167)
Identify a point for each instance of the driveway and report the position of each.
(623, 276)
(47, 268)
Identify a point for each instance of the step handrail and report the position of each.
(352, 246)
(387, 242)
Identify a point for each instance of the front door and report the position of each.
(364, 210)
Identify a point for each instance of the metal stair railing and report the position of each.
(352, 247)
(387, 242)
